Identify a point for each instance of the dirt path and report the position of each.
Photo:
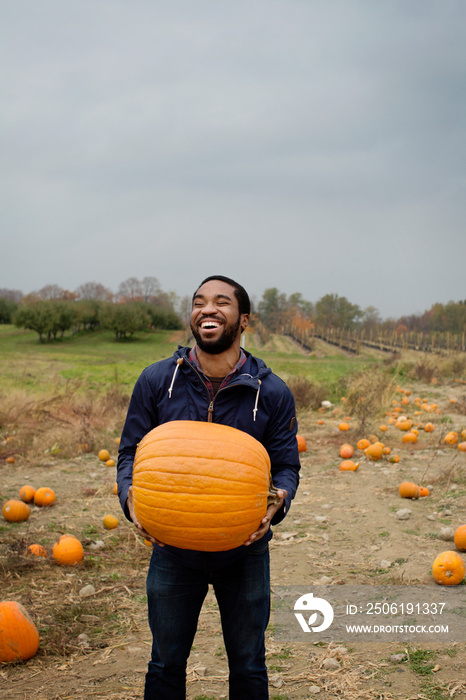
(342, 529)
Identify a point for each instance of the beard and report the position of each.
(224, 342)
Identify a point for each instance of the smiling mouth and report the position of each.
(210, 325)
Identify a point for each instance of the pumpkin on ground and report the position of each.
(44, 496)
(19, 638)
(409, 437)
(374, 451)
(448, 568)
(16, 511)
(407, 489)
(424, 491)
(349, 466)
(37, 550)
(363, 444)
(346, 451)
(26, 493)
(302, 447)
(104, 455)
(110, 522)
(343, 426)
(404, 424)
(199, 485)
(460, 538)
(68, 550)
(451, 438)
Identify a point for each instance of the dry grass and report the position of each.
(61, 423)
(368, 393)
(306, 394)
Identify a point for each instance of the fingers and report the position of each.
(137, 524)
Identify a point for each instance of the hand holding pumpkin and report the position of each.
(267, 519)
(138, 525)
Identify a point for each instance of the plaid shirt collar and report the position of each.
(192, 357)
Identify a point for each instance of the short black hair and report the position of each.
(244, 304)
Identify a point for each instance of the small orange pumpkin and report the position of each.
(363, 444)
(448, 568)
(410, 438)
(16, 511)
(104, 455)
(346, 451)
(374, 451)
(424, 491)
(349, 466)
(429, 427)
(407, 489)
(44, 496)
(110, 522)
(302, 447)
(68, 550)
(451, 438)
(404, 424)
(19, 638)
(26, 493)
(37, 550)
(115, 488)
(343, 426)
(460, 538)
(462, 446)
(394, 459)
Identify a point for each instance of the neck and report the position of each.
(218, 365)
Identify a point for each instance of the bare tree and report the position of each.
(150, 289)
(130, 290)
(94, 290)
(11, 294)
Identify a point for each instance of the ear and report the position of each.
(244, 321)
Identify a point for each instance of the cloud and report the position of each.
(313, 146)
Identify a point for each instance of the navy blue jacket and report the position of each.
(255, 401)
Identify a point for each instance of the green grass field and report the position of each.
(95, 362)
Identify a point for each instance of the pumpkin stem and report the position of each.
(272, 498)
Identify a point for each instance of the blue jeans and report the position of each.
(176, 588)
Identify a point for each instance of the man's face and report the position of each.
(215, 319)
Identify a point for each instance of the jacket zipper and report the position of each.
(210, 410)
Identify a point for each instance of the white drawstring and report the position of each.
(178, 363)
(257, 400)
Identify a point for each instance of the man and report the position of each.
(217, 381)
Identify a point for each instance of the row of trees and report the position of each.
(51, 311)
(139, 304)
(51, 319)
(278, 311)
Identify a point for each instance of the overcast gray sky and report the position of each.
(316, 146)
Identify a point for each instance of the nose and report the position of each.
(209, 307)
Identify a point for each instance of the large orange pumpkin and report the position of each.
(19, 638)
(201, 486)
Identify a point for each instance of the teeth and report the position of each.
(210, 324)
